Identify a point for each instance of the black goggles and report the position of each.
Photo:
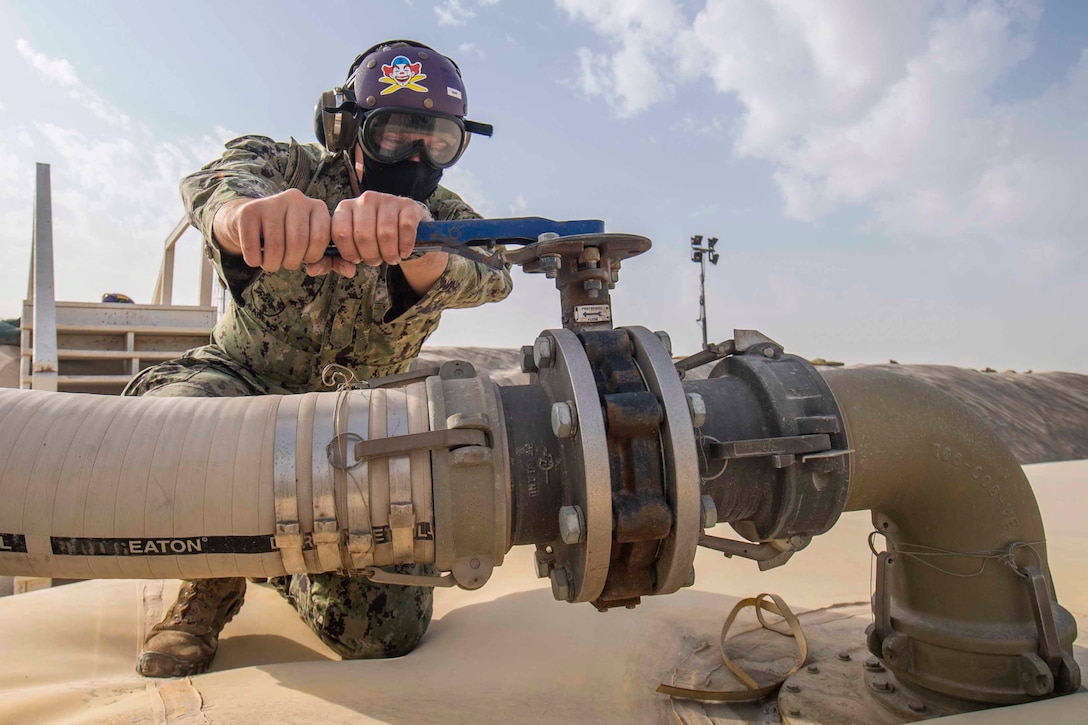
(389, 135)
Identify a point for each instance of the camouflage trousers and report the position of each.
(354, 616)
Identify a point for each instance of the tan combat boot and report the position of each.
(185, 641)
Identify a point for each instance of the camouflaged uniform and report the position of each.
(282, 329)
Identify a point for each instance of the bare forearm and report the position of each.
(422, 273)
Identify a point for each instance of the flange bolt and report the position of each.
(572, 525)
(543, 352)
(563, 420)
(697, 408)
(560, 585)
(710, 511)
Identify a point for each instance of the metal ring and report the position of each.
(339, 461)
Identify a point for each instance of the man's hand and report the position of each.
(286, 230)
(290, 229)
(374, 228)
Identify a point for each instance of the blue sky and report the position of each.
(894, 180)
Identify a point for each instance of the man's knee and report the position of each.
(359, 619)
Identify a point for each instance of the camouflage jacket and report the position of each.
(286, 327)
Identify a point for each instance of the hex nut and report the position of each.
(710, 511)
(572, 525)
(543, 352)
(560, 585)
(549, 263)
(697, 408)
(543, 567)
(528, 359)
(563, 419)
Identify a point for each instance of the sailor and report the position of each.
(268, 212)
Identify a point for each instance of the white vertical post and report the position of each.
(44, 365)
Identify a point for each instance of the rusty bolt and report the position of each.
(572, 525)
(873, 665)
(916, 705)
(560, 585)
(666, 341)
(592, 287)
(563, 420)
(710, 511)
(792, 687)
(697, 408)
(844, 656)
(813, 670)
(543, 352)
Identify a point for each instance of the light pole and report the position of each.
(701, 254)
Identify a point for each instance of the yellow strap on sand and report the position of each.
(776, 606)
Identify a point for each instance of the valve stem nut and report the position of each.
(549, 263)
(592, 287)
(543, 354)
(560, 584)
(563, 420)
(572, 525)
(697, 408)
(710, 511)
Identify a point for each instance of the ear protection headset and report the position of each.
(336, 124)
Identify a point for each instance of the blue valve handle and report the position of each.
(454, 236)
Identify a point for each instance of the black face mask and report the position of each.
(412, 179)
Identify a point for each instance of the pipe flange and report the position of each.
(683, 487)
(585, 454)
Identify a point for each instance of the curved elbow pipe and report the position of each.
(964, 603)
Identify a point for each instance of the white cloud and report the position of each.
(465, 184)
(641, 32)
(57, 70)
(466, 49)
(452, 12)
(519, 206)
(884, 106)
(61, 72)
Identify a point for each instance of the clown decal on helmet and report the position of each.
(402, 74)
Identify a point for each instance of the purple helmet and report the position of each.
(407, 74)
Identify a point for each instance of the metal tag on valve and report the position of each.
(593, 313)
